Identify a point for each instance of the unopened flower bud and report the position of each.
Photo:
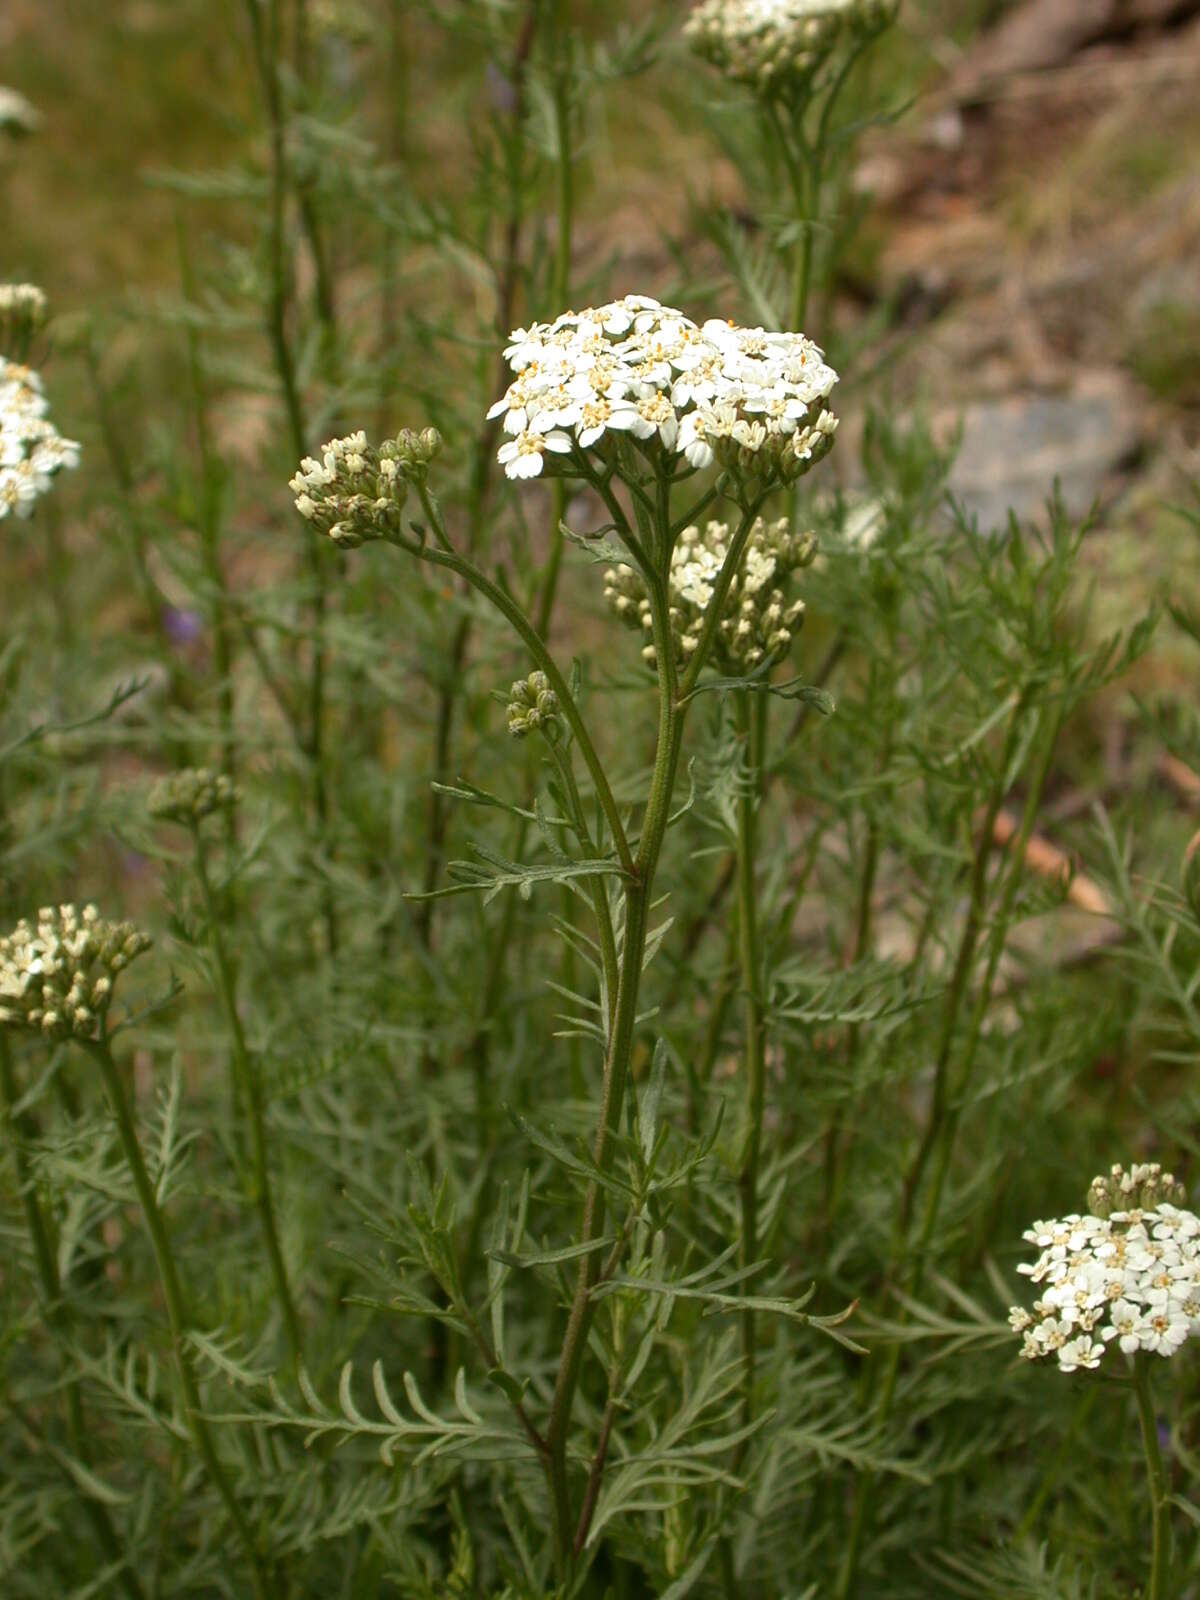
(22, 317)
(1144, 1186)
(533, 704)
(191, 795)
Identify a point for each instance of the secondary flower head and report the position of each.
(776, 46)
(57, 977)
(22, 316)
(355, 492)
(750, 400)
(759, 615)
(190, 796)
(1131, 1279)
(533, 704)
(31, 450)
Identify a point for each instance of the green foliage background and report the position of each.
(266, 224)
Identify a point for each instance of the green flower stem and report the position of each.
(559, 287)
(672, 698)
(248, 1086)
(306, 201)
(751, 723)
(265, 36)
(57, 1315)
(595, 887)
(999, 929)
(616, 1069)
(968, 945)
(264, 1585)
(220, 608)
(1160, 1550)
(945, 1111)
(533, 641)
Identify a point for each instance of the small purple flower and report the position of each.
(182, 627)
(501, 90)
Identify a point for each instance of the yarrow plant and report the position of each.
(57, 975)
(741, 397)
(776, 46)
(760, 617)
(32, 452)
(501, 1184)
(1125, 1276)
(630, 394)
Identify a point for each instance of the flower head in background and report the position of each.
(1128, 1278)
(22, 317)
(750, 400)
(776, 46)
(57, 978)
(32, 451)
(357, 491)
(760, 616)
(187, 797)
(17, 116)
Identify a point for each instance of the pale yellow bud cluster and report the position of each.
(777, 46)
(57, 978)
(533, 704)
(191, 795)
(357, 491)
(1142, 1188)
(759, 618)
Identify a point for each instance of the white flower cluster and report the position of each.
(777, 45)
(17, 115)
(31, 448)
(750, 400)
(58, 977)
(357, 492)
(190, 795)
(1132, 1278)
(759, 619)
(22, 315)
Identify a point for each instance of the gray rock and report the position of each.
(1014, 448)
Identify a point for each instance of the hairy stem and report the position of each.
(57, 1316)
(177, 1315)
(672, 698)
(1160, 1549)
(248, 1083)
(751, 720)
(265, 37)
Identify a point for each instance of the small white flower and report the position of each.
(1164, 1329)
(1079, 1353)
(522, 457)
(32, 452)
